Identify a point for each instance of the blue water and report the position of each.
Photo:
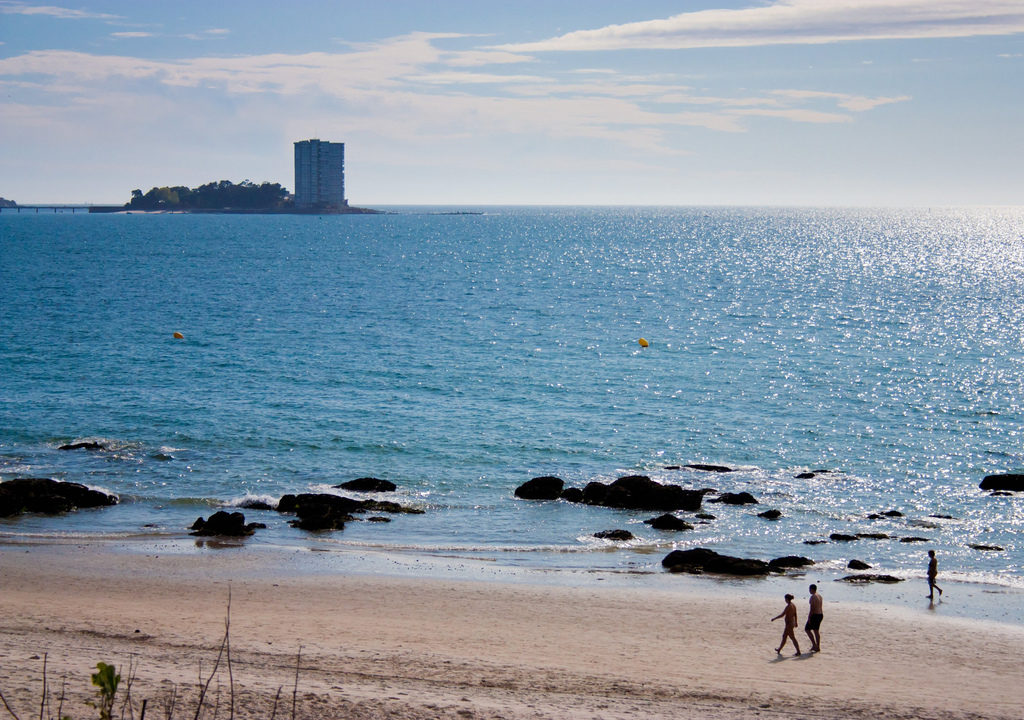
(460, 355)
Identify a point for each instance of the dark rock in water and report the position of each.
(324, 511)
(702, 559)
(709, 468)
(815, 542)
(673, 467)
(770, 514)
(858, 565)
(789, 561)
(804, 476)
(869, 578)
(88, 445)
(892, 513)
(621, 535)
(990, 548)
(875, 516)
(943, 517)
(705, 516)
(47, 496)
(913, 539)
(378, 519)
(368, 484)
(1013, 482)
(572, 494)
(874, 536)
(668, 522)
(541, 488)
(741, 498)
(223, 523)
(255, 505)
(840, 537)
(1001, 493)
(639, 492)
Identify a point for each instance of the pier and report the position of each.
(63, 208)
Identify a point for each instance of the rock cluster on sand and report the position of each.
(44, 495)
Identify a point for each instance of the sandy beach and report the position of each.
(354, 646)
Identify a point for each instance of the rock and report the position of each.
(639, 492)
(741, 498)
(770, 514)
(378, 519)
(913, 539)
(702, 559)
(673, 467)
(789, 561)
(324, 511)
(815, 542)
(255, 505)
(1014, 482)
(619, 535)
(47, 496)
(709, 468)
(869, 578)
(705, 516)
(368, 484)
(804, 476)
(858, 565)
(943, 517)
(223, 523)
(87, 445)
(668, 521)
(572, 494)
(988, 548)
(840, 537)
(892, 513)
(541, 488)
(1001, 493)
(874, 536)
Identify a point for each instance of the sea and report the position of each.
(459, 352)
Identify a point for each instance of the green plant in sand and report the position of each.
(107, 680)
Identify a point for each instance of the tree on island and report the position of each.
(212, 196)
(7, 203)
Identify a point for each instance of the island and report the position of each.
(225, 196)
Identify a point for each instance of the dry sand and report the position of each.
(385, 647)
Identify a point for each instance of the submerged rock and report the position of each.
(368, 484)
(324, 511)
(619, 535)
(858, 565)
(869, 578)
(48, 496)
(913, 539)
(709, 468)
(546, 487)
(668, 521)
(986, 548)
(770, 514)
(841, 537)
(86, 445)
(703, 560)
(741, 498)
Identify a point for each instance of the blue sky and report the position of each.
(734, 102)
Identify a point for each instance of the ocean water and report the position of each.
(459, 355)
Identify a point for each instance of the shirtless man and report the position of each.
(788, 612)
(814, 620)
(933, 572)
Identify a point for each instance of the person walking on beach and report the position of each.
(788, 612)
(814, 620)
(933, 572)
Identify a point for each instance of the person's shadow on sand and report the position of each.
(784, 658)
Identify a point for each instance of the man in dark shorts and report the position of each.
(814, 620)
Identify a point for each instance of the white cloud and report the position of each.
(854, 103)
(789, 22)
(131, 34)
(19, 8)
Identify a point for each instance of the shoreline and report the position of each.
(410, 647)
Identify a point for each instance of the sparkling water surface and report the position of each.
(459, 355)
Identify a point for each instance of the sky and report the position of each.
(510, 102)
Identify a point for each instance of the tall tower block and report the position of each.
(319, 174)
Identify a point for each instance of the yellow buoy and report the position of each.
(178, 336)
(643, 342)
